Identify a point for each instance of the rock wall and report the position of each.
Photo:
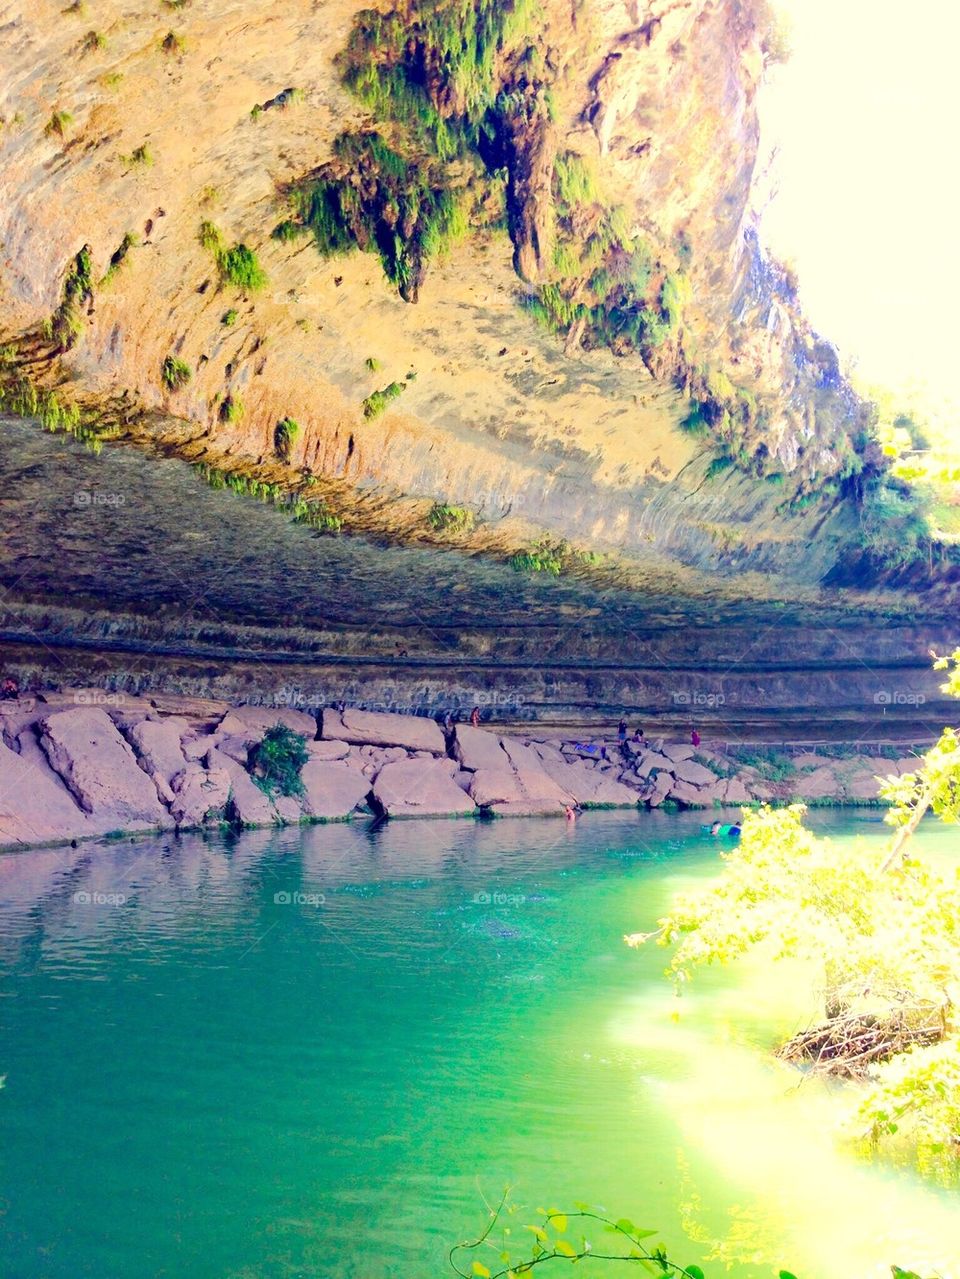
(553, 433)
(85, 764)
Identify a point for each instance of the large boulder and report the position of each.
(249, 804)
(662, 784)
(475, 748)
(689, 796)
(822, 783)
(528, 808)
(538, 785)
(328, 750)
(862, 785)
(332, 790)
(157, 743)
(519, 754)
(35, 805)
(379, 728)
(523, 792)
(735, 792)
(99, 767)
(678, 752)
(589, 787)
(809, 759)
(237, 747)
(200, 712)
(200, 795)
(250, 723)
(495, 786)
(549, 751)
(289, 809)
(195, 746)
(651, 760)
(686, 770)
(420, 788)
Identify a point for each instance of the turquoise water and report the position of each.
(210, 1077)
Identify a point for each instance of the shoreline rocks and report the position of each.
(106, 763)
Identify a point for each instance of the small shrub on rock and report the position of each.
(278, 759)
(175, 373)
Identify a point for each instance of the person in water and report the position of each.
(715, 829)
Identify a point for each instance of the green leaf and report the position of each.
(480, 1270)
(626, 1225)
(694, 1272)
(559, 1222)
(564, 1249)
(785, 1274)
(539, 1231)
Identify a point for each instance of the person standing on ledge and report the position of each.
(622, 733)
(694, 737)
(475, 717)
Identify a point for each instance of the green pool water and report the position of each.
(319, 1053)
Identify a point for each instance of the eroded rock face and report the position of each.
(661, 101)
(420, 788)
(85, 747)
(378, 728)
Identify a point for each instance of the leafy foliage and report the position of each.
(894, 527)
(93, 42)
(175, 373)
(377, 402)
(284, 434)
(19, 396)
(278, 759)
(884, 932)
(58, 124)
(119, 256)
(315, 514)
(231, 408)
(402, 210)
(65, 325)
(568, 1237)
(545, 556)
(237, 265)
(444, 518)
(140, 156)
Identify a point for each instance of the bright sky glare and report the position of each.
(864, 116)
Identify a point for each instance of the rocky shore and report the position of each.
(85, 763)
